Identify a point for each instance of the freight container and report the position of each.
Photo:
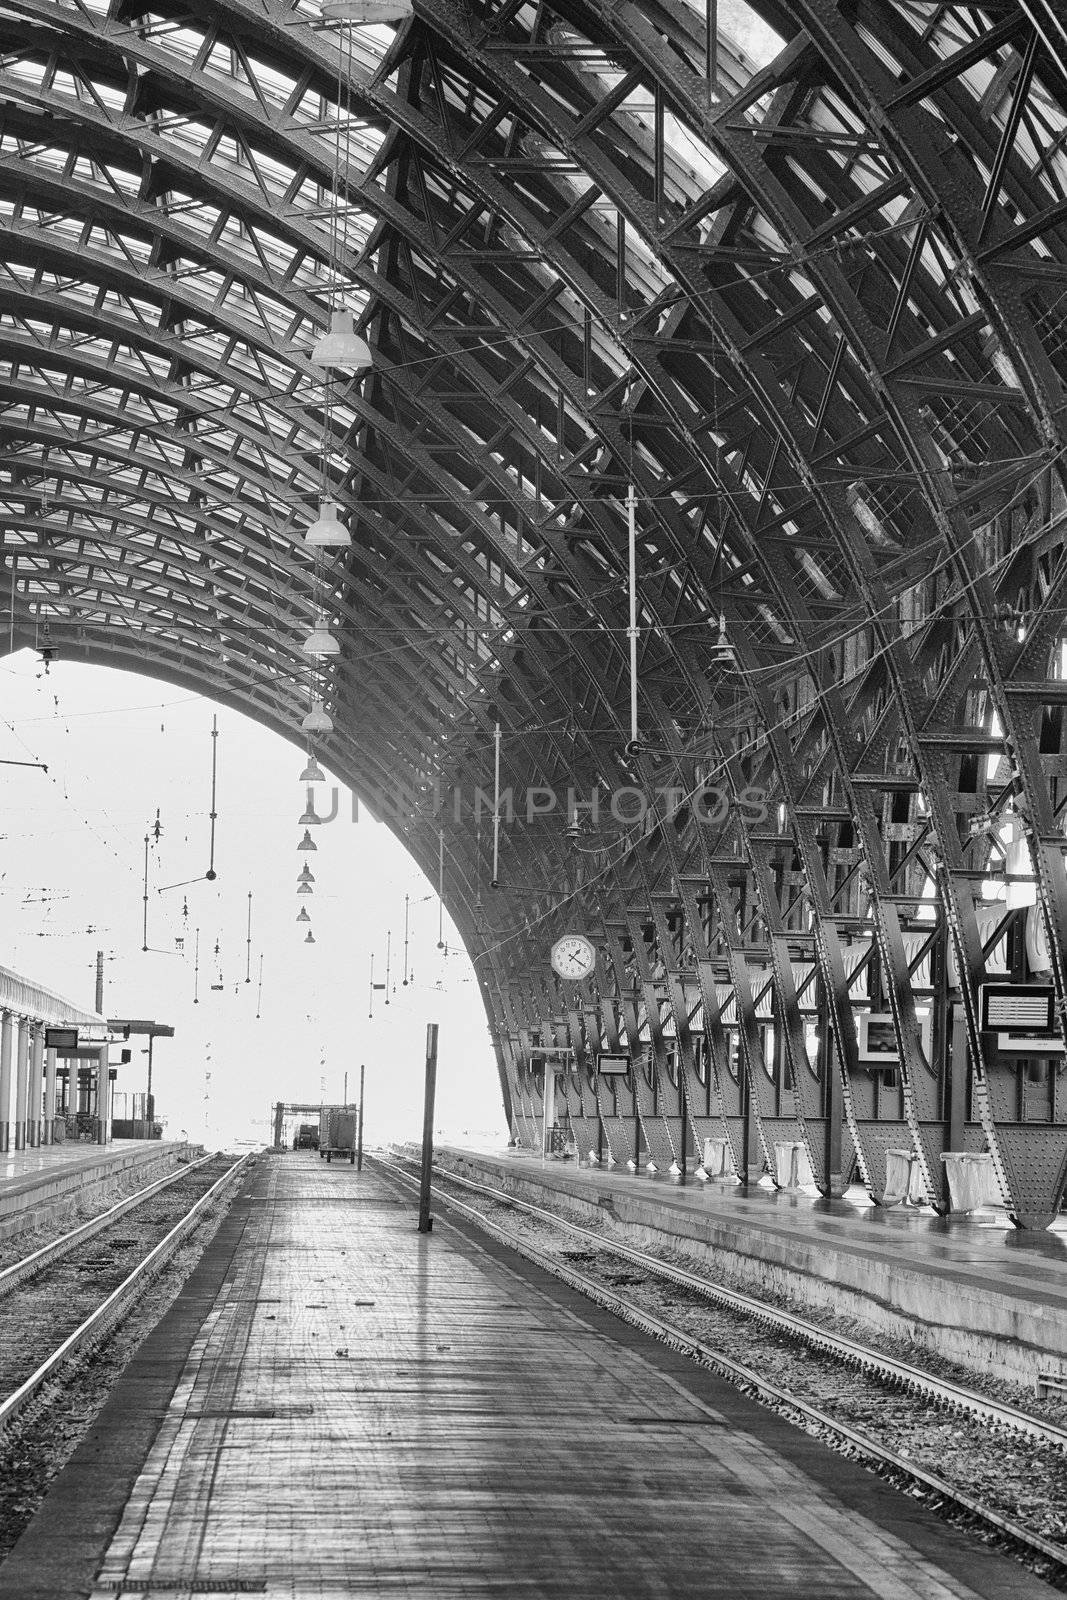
(337, 1135)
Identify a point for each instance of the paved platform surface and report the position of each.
(337, 1405)
(37, 1186)
(956, 1273)
(25, 1169)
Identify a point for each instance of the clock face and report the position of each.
(573, 956)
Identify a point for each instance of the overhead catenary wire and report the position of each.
(632, 837)
(863, 624)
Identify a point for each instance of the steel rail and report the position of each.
(28, 1266)
(851, 1351)
(679, 1339)
(109, 1310)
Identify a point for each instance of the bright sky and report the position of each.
(119, 748)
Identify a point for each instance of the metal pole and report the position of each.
(346, 1088)
(100, 981)
(632, 630)
(359, 1124)
(144, 932)
(711, 51)
(549, 1104)
(425, 1219)
(440, 888)
(149, 1106)
(495, 881)
(211, 874)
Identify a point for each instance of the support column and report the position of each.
(549, 1105)
(22, 1084)
(49, 1094)
(35, 1095)
(103, 1097)
(7, 1029)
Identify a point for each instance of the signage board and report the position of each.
(64, 1040)
(1018, 1007)
(1031, 1044)
(610, 1064)
(876, 1037)
(876, 1042)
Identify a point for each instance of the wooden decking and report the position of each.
(344, 1407)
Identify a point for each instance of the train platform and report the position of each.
(970, 1288)
(41, 1184)
(337, 1405)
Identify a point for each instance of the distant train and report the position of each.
(307, 1137)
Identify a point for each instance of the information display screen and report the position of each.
(612, 1065)
(62, 1039)
(1018, 1007)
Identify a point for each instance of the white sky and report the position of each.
(119, 747)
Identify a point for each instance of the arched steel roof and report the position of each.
(815, 312)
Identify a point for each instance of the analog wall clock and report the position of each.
(573, 956)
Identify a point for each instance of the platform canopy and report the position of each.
(794, 270)
(25, 998)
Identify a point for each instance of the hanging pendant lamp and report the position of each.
(366, 11)
(310, 937)
(305, 875)
(307, 842)
(304, 888)
(318, 720)
(303, 915)
(342, 347)
(320, 641)
(327, 532)
(312, 773)
(310, 819)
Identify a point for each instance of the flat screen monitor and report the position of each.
(61, 1039)
(1018, 1008)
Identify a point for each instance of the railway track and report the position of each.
(28, 1266)
(926, 1394)
(64, 1305)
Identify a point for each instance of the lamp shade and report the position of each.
(317, 720)
(307, 842)
(342, 346)
(306, 875)
(304, 888)
(366, 11)
(312, 773)
(320, 641)
(310, 819)
(327, 532)
(302, 915)
(310, 939)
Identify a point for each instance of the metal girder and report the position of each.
(814, 317)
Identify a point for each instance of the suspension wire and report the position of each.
(633, 836)
(211, 873)
(495, 881)
(248, 942)
(440, 888)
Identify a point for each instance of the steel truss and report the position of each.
(815, 312)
